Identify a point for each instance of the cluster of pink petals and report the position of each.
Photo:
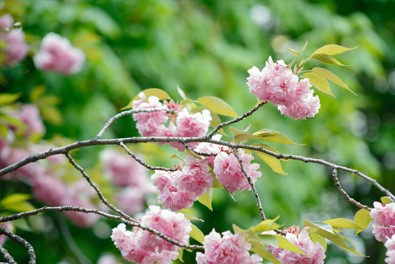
(8, 227)
(12, 42)
(277, 83)
(180, 189)
(107, 259)
(57, 54)
(141, 246)
(228, 249)
(314, 252)
(130, 177)
(30, 115)
(390, 245)
(383, 221)
(181, 123)
(230, 174)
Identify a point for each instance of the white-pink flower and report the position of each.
(8, 227)
(314, 252)
(390, 245)
(130, 199)
(228, 249)
(141, 246)
(13, 47)
(277, 83)
(383, 221)
(6, 22)
(229, 173)
(30, 116)
(107, 259)
(57, 54)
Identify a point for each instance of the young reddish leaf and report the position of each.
(319, 82)
(217, 106)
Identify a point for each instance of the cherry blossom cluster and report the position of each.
(314, 252)
(12, 42)
(383, 216)
(180, 123)
(390, 245)
(180, 188)
(228, 248)
(142, 246)
(131, 179)
(277, 84)
(56, 52)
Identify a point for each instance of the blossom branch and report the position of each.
(142, 162)
(23, 242)
(344, 193)
(94, 186)
(98, 212)
(7, 256)
(258, 200)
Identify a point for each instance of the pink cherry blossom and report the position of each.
(6, 22)
(30, 116)
(141, 246)
(314, 252)
(8, 227)
(13, 47)
(107, 259)
(130, 200)
(228, 249)
(390, 245)
(229, 173)
(57, 54)
(50, 190)
(383, 221)
(179, 189)
(277, 83)
(192, 125)
(210, 148)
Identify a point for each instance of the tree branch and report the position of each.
(7, 256)
(23, 242)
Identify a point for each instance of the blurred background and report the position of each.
(206, 48)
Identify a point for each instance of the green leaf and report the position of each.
(162, 95)
(327, 59)
(271, 161)
(36, 93)
(237, 229)
(284, 243)
(181, 93)
(386, 200)
(319, 82)
(180, 254)
(261, 250)
(265, 225)
(342, 223)
(317, 238)
(363, 219)
(332, 77)
(206, 199)
(197, 234)
(332, 49)
(217, 106)
(15, 198)
(273, 136)
(7, 98)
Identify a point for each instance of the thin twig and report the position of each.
(7, 256)
(142, 162)
(252, 185)
(23, 242)
(124, 113)
(99, 193)
(235, 120)
(104, 214)
(344, 193)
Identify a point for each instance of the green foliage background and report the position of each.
(206, 47)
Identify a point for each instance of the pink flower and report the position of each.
(124, 171)
(107, 259)
(6, 22)
(192, 125)
(210, 148)
(8, 227)
(130, 200)
(30, 115)
(390, 245)
(57, 54)
(13, 47)
(278, 84)
(229, 173)
(179, 189)
(314, 252)
(141, 246)
(228, 249)
(50, 190)
(383, 221)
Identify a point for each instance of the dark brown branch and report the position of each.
(344, 193)
(7, 256)
(23, 242)
(98, 192)
(252, 185)
(142, 162)
(98, 212)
